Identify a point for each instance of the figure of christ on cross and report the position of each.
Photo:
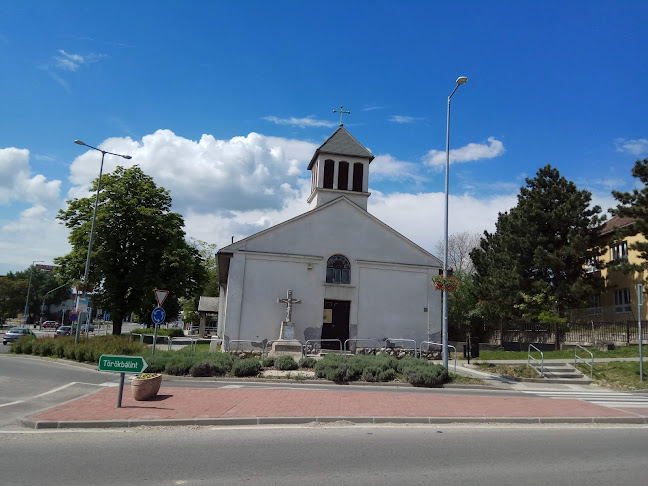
(289, 301)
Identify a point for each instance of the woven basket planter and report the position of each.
(145, 388)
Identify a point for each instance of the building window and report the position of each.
(592, 265)
(329, 168)
(357, 176)
(620, 251)
(343, 176)
(338, 270)
(622, 301)
(594, 308)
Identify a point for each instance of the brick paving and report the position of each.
(201, 403)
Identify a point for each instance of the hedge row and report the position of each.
(85, 350)
(381, 367)
(334, 367)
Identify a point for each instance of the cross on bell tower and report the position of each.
(341, 112)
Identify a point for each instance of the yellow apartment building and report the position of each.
(618, 302)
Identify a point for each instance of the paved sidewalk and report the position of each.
(226, 406)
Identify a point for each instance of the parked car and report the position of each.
(50, 324)
(16, 333)
(63, 331)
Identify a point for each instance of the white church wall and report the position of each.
(403, 313)
(268, 277)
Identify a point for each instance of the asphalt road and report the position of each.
(342, 455)
(29, 384)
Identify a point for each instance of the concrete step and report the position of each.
(563, 373)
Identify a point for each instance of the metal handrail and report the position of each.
(579, 359)
(137, 334)
(227, 345)
(438, 344)
(529, 358)
(380, 346)
(318, 341)
(402, 340)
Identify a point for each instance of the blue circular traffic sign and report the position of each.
(73, 317)
(158, 315)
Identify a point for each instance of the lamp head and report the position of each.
(462, 80)
(127, 156)
(79, 142)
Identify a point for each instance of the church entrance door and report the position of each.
(338, 327)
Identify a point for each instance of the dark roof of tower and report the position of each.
(342, 143)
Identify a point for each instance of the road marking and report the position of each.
(604, 398)
(11, 403)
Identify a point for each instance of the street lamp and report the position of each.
(460, 80)
(31, 272)
(77, 335)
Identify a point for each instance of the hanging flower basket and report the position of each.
(445, 283)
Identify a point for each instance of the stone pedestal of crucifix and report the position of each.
(287, 344)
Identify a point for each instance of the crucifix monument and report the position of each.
(287, 327)
(287, 344)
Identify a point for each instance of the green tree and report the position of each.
(541, 245)
(13, 293)
(634, 204)
(139, 246)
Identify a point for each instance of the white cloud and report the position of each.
(17, 184)
(373, 106)
(468, 153)
(419, 217)
(308, 121)
(386, 167)
(72, 62)
(638, 146)
(403, 119)
(34, 235)
(208, 175)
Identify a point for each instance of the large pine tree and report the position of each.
(540, 246)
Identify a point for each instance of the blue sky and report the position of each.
(223, 104)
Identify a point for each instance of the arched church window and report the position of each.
(338, 270)
(343, 176)
(357, 177)
(329, 167)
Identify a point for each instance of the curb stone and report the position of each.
(237, 421)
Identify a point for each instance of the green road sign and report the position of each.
(122, 364)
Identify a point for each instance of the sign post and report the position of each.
(158, 315)
(121, 365)
(639, 304)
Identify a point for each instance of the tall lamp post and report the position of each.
(77, 335)
(460, 80)
(31, 272)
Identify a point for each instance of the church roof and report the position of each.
(342, 143)
(208, 304)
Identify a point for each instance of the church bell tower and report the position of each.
(340, 167)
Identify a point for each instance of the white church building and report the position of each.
(355, 277)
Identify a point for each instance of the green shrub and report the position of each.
(43, 347)
(246, 367)
(387, 375)
(179, 365)
(424, 374)
(23, 345)
(268, 362)
(307, 362)
(286, 363)
(207, 368)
